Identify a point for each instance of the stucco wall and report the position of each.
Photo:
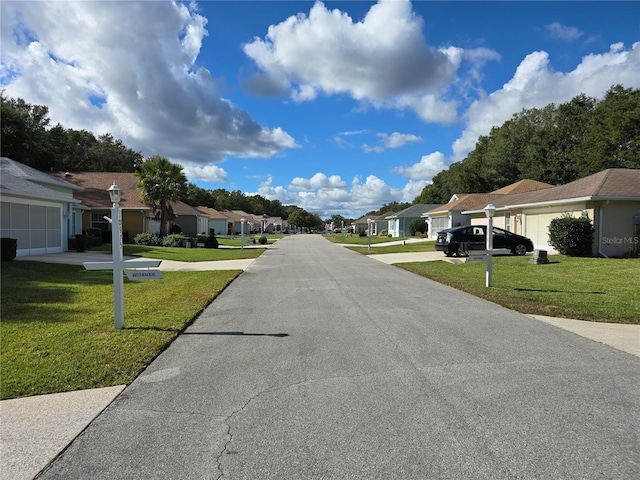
(618, 235)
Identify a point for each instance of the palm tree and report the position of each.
(161, 183)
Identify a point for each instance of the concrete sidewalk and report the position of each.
(76, 258)
(36, 429)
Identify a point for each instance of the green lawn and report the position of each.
(357, 240)
(429, 246)
(234, 241)
(57, 330)
(182, 254)
(593, 289)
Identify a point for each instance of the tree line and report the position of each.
(26, 137)
(556, 144)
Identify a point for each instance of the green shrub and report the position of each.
(82, 241)
(173, 240)
(571, 236)
(211, 242)
(9, 249)
(417, 225)
(148, 239)
(262, 240)
(94, 237)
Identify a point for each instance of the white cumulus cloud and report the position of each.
(428, 166)
(130, 69)
(536, 84)
(382, 59)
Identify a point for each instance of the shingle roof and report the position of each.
(20, 179)
(95, 184)
(183, 209)
(523, 186)
(94, 192)
(413, 211)
(237, 215)
(613, 183)
(213, 213)
(468, 201)
(376, 218)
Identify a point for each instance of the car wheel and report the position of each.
(462, 252)
(519, 249)
(448, 254)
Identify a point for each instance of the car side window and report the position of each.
(478, 231)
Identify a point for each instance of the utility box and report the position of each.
(539, 257)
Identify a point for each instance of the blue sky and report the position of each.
(338, 107)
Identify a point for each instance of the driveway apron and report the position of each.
(318, 362)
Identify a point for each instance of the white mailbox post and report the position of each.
(242, 220)
(489, 211)
(118, 264)
(369, 232)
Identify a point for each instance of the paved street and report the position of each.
(318, 362)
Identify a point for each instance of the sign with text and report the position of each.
(477, 258)
(143, 274)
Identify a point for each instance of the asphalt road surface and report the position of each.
(321, 363)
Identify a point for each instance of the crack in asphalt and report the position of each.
(227, 420)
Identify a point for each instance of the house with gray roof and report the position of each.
(398, 223)
(38, 210)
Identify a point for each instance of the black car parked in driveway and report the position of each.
(460, 240)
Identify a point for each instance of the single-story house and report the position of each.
(193, 221)
(273, 224)
(136, 216)
(454, 213)
(398, 223)
(379, 223)
(236, 217)
(37, 210)
(219, 222)
(611, 199)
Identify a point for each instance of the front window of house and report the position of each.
(98, 221)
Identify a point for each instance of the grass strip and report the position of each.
(595, 289)
(408, 248)
(181, 254)
(57, 331)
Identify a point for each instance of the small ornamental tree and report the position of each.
(417, 225)
(571, 236)
(211, 242)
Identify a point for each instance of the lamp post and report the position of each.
(242, 236)
(118, 259)
(369, 232)
(489, 211)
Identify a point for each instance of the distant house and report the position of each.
(455, 212)
(219, 222)
(193, 221)
(237, 217)
(379, 223)
(398, 223)
(37, 209)
(611, 199)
